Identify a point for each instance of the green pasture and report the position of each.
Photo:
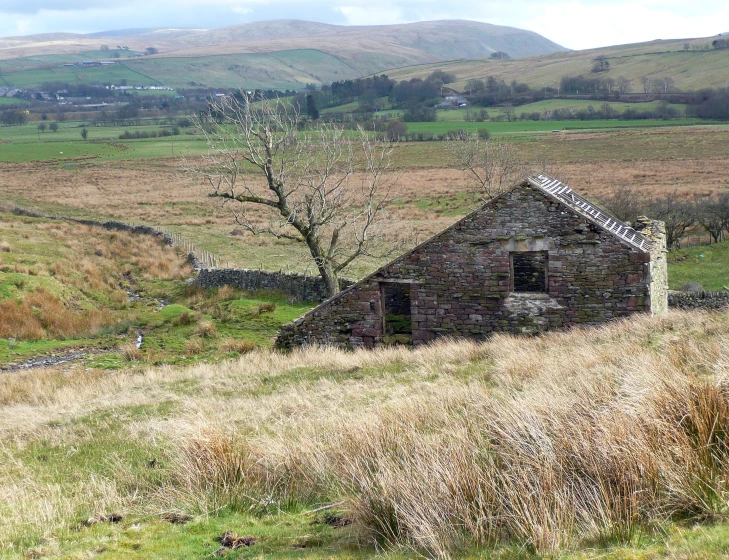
(551, 105)
(280, 70)
(707, 265)
(517, 128)
(25, 143)
(114, 74)
(13, 101)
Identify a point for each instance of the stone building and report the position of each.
(536, 258)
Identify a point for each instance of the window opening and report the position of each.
(397, 310)
(529, 271)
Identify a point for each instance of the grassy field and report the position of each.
(123, 180)
(707, 265)
(528, 127)
(606, 442)
(551, 105)
(25, 143)
(34, 77)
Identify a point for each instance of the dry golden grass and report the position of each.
(205, 328)
(686, 161)
(130, 352)
(547, 442)
(83, 273)
(237, 345)
(194, 346)
(42, 315)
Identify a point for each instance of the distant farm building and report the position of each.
(538, 257)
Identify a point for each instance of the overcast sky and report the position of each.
(576, 24)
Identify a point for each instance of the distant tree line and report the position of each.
(12, 118)
(682, 216)
(709, 104)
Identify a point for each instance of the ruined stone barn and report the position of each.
(538, 257)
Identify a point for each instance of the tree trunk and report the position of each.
(326, 270)
(330, 278)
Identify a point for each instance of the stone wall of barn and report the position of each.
(460, 282)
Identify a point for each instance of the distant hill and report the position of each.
(686, 64)
(270, 54)
(124, 32)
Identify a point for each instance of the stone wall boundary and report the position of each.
(699, 301)
(300, 287)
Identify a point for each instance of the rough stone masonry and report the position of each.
(536, 258)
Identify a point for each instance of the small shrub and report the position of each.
(226, 293)
(237, 345)
(484, 134)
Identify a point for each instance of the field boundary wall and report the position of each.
(700, 301)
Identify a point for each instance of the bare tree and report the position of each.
(679, 216)
(623, 84)
(626, 203)
(494, 165)
(712, 213)
(319, 187)
(647, 84)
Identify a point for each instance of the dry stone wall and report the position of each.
(461, 280)
(298, 286)
(700, 301)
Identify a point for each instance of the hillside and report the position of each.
(689, 63)
(274, 54)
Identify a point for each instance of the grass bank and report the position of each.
(608, 442)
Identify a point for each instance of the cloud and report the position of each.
(372, 15)
(36, 6)
(576, 24)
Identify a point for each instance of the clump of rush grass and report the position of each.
(184, 318)
(238, 345)
(205, 328)
(130, 352)
(592, 435)
(266, 307)
(585, 443)
(5, 247)
(194, 346)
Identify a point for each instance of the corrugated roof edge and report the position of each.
(606, 221)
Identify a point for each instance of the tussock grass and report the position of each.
(546, 443)
(42, 315)
(130, 352)
(194, 346)
(205, 328)
(237, 345)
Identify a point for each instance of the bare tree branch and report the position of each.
(323, 186)
(495, 166)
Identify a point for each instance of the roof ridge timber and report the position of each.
(562, 193)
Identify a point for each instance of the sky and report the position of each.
(575, 24)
